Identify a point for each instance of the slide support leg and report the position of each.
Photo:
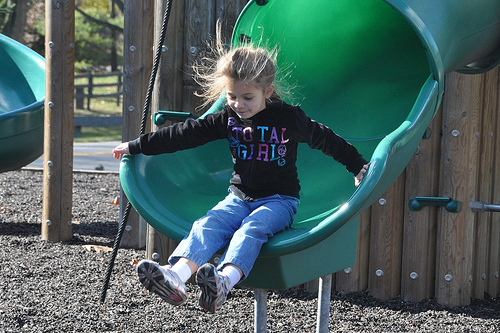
(260, 311)
(324, 294)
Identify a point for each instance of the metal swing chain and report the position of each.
(145, 113)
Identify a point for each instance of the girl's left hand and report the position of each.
(360, 175)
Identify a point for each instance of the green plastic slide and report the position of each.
(22, 96)
(371, 70)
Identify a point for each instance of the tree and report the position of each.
(13, 18)
(5, 12)
(99, 30)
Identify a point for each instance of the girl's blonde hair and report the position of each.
(255, 65)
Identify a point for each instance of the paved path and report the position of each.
(90, 156)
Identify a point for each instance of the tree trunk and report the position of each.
(17, 21)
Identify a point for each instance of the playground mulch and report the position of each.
(56, 287)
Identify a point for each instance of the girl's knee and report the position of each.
(256, 229)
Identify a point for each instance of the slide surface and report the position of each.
(371, 70)
(22, 96)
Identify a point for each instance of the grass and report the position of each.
(101, 107)
(100, 134)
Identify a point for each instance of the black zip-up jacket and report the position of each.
(264, 147)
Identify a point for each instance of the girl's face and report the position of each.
(246, 99)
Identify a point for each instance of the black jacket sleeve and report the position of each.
(319, 136)
(189, 134)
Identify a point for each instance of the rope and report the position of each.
(116, 245)
(145, 113)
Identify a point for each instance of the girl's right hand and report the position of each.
(121, 150)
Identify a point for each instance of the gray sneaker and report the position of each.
(163, 282)
(214, 287)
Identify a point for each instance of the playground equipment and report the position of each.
(22, 96)
(371, 70)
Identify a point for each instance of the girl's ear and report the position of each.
(269, 91)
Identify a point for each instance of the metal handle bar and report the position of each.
(481, 207)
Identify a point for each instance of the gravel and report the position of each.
(56, 287)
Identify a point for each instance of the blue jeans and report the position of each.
(244, 225)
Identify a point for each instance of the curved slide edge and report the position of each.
(22, 97)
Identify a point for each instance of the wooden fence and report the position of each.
(88, 90)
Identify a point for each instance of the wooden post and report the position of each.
(493, 287)
(90, 91)
(420, 227)
(200, 22)
(168, 86)
(386, 242)
(458, 181)
(228, 11)
(487, 137)
(167, 95)
(138, 58)
(200, 27)
(355, 278)
(59, 111)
